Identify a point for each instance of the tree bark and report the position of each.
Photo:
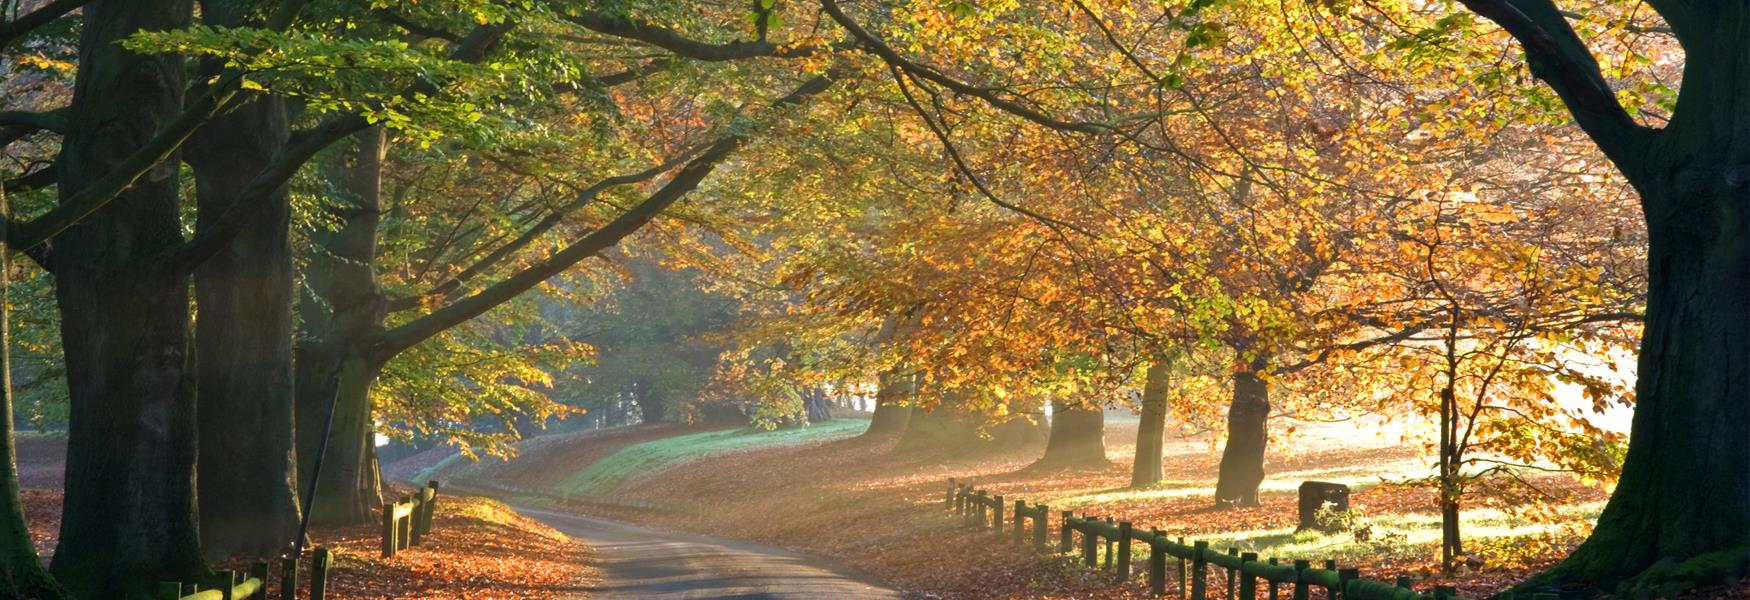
(1077, 438)
(342, 313)
(1151, 431)
(1680, 515)
(128, 519)
(21, 573)
(1242, 460)
(243, 339)
(350, 483)
(891, 414)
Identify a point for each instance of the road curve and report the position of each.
(644, 563)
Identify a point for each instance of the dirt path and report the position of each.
(645, 563)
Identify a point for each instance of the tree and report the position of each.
(1077, 438)
(243, 327)
(1146, 468)
(124, 323)
(21, 573)
(1691, 175)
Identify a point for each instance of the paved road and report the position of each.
(645, 563)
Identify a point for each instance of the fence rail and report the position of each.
(1106, 544)
(231, 585)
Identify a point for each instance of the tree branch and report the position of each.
(688, 178)
(585, 196)
(303, 146)
(15, 29)
(1557, 56)
(893, 59)
(680, 45)
(53, 120)
(26, 237)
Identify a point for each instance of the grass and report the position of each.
(1394, 535)
(639, 460)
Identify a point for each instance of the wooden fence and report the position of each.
(405, 523)
(231, 585)
(408, 520)
(1246, 575)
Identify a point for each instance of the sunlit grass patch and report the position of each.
(647, 458)
(1395, 535)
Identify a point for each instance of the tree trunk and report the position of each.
(128, 518)
(1151, 431)
(342, 313)
(350, 484)
(818, 406)
(891, 413)
(1680, 515)
(243, 340)
(1077, 437)
(937, 428)
(21, 573)
(651, 407)
(1242, 460)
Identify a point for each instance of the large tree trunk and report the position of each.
(1151, 431)
(342, 312)
(243, 340)
(21, 573)
(816, 404)
(891, 412)
(1078, 437)
(1680, 514)
(1242, 460)
(937, 428)
(350, 483)
(129, 515)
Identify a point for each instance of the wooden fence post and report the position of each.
(1300, 579)
(319, 573)
(1040, 516)
(389, 533)
(1157, 564)
(404, 525)
(949, 501)
(1248, 583)
(1183, 592)
(1403, 582)
(1330, 592)
(1123, 560)
(422, 516)
(996, 519)
(259, 572)
(289, 576)
(1344, 577)
(1199, 565)
(1271, 582)
(1063, 534)
(1110, 545)
(1231, 575)
(430, 506)
(1090, 542)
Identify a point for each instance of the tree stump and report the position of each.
(1315, 494)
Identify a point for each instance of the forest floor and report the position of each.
(478, 548)
(853, 501)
